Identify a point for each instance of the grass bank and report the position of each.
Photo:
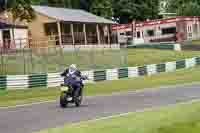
(182, 118)
(16, 97)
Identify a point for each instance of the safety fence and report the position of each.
(53, 79)
(55, 59)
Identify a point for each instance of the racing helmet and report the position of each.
(73, 67)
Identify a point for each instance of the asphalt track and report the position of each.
(28, 119)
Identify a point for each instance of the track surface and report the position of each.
(33, 118)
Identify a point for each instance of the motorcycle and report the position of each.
(68, 95)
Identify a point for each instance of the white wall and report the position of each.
(20, 36)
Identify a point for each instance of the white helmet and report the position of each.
(73, 66)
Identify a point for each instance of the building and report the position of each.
(12, 36)
(68, 27)
(161, 30)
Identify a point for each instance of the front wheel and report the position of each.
(78, 98)
(63, 100)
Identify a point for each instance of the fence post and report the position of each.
(32, 64)
(24, 61)
(2, 63)
(92, 59)
(20, 43)
(62, 58)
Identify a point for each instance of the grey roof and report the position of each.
(71, 15)
(5, 25)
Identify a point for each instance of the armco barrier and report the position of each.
(54, 79)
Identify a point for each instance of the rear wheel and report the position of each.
(63, 100)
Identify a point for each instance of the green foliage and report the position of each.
(124, 10)
(22, 9)
(58, 3)
(19, 8)
(102, 8)
(184, 7)
(135, 9)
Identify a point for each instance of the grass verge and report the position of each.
(17, 97)
(182, 118)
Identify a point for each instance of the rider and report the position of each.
(73, 73)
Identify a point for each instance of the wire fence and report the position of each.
(55, 59)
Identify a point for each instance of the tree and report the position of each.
(19, 8)
(102, 8)
(184, 7)
(127, 10)
(58, 3)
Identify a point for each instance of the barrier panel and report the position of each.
(39, 80)
(99, 75)
(190, 62)
(3, 82)
(142, 70)
(180, 64)
(170, 66)
(198, 60)
(133, 72)
(151, 69)
(112, 74)
(160, 67)
(123, 73)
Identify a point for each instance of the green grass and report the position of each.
(182, 118)
(138, 57)
(196, 42)
(55, 61)
(16, 97)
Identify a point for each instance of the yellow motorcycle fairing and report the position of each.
(64, 88)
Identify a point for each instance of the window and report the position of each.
(122, 33)
(50, 29)
(150, 32)
(138, 34)
(189, 34)
(129, 33)
(189, 29)
(170, 30)
(195, 26)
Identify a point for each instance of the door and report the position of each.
(6, 39)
